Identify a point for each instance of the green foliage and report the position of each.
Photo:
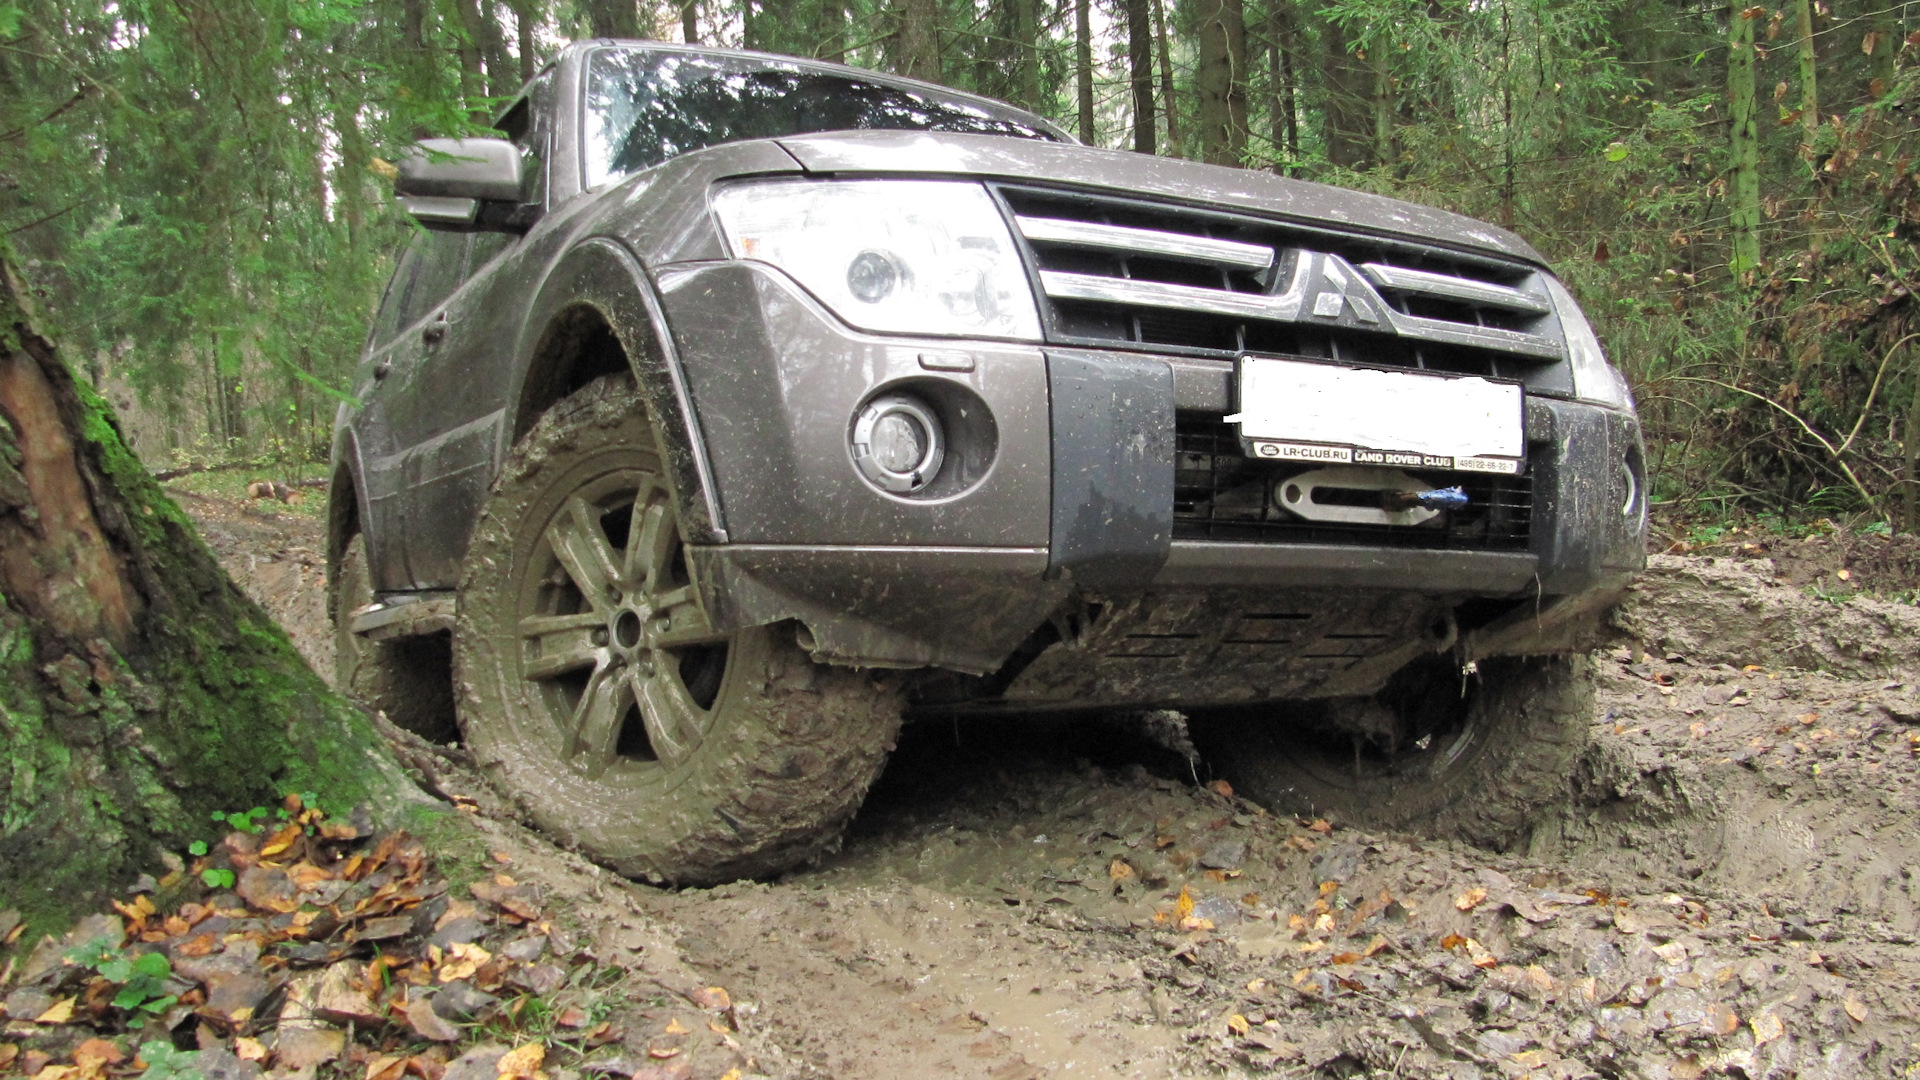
(142, 979)
(164, 1062)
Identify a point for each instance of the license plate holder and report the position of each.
(1297, 410)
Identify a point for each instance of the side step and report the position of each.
(409, 617)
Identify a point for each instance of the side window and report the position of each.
(386, 321)
(440, 255)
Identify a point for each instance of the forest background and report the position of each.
(197, 188)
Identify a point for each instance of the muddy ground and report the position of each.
(1727, 890)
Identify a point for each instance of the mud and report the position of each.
(1727, 889)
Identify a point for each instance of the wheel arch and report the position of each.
(597, 313)
(346, 508)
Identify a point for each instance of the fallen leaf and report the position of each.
(1345, 958)
(462, 961)
(1720, 1020)
(59, 1013)
(1855, 1008)
(94, 1055)
(1321, 825)
(1256, 986)
(280, 841)
(386, 1067)
(522, 1062)
(662, 1052)
(1221, 787)
(8, 1052)
(1470, 899)
(1237, 1023)
(712, 997)
(1452, 941)
(1183, 907)
(1379, 942)
(675, 1027)
(428, 1024)
(1843, 574)
(1121, 870)
(1766, 1028)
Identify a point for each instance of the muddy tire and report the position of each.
(596, 694)
(407, 679)
(1480, 769)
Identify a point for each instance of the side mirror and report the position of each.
(443, 182)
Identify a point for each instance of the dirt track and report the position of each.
(1727, 891)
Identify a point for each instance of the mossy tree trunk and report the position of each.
(140, 690)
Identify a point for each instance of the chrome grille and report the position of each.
(1121, 271)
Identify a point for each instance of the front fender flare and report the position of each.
(601, 273)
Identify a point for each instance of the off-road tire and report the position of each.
(761, 778)
(1484, 779)
(405, 678)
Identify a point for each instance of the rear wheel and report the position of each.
(596, 691)
(405, 678)
(1438, 751)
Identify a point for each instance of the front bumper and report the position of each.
(1071, 502)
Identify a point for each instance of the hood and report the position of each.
(1123, 172)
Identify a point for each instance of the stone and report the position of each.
(1225, 855)
(458, 1000)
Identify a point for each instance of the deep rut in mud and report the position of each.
(1727, 890)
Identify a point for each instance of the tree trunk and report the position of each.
(1379, 59)
(1808, 60)
(1743, 144)
(523, 20)
(140, 691)
(1169, 104)
(1346, 83)
(1887, 40)
(613, 18)
(690, 22)
(916, 44)
(1284, 106)
(1083, 65)
(1140, 72)
(1221, 81)
(1026, 42)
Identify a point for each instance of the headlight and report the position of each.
(1594, 379)
(891, 256)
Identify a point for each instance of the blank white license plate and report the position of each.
(1296, 411)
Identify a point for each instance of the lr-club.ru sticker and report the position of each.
(1353, 455)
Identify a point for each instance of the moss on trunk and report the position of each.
(140, 690)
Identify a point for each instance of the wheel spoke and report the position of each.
(539, 626)
(597, 719)
(572, 655)
(673, 724)
(582, 548)
(684, 626)
(649, 553)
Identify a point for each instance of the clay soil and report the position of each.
(1727, 889)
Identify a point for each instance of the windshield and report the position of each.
(644, 107)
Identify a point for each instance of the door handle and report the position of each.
(433, 332)
(380, 369)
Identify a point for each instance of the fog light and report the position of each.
(898, 443)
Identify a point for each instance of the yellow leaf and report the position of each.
(1452, 941)
(1238, 1024)
(1183, 907)
(1766, 1028)
(1120, 870)
(383, 169)
(386, 1068)
(1379, 942)
(1256, 986)
(462, 961)
(675, 1027)
(522, 1062)
(1470, 899)
(732, 1074)
(280, 841)
(60, 1013)
(250, 1049)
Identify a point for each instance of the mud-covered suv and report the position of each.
(731, 406)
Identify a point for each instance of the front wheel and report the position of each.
(597, 693)
(1449, 753)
